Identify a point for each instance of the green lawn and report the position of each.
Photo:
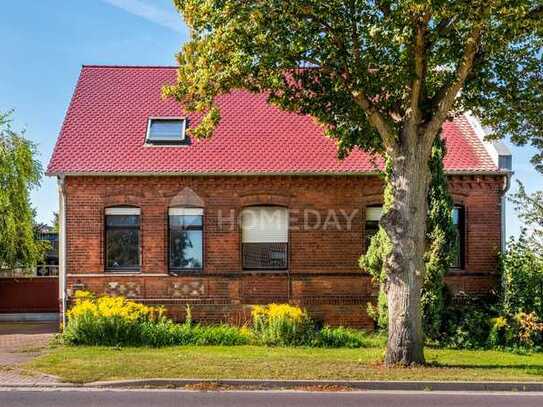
(86, 364)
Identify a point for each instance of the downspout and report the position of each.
(507, 185)
(62, 248)
(505, 163)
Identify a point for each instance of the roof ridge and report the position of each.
(130, 66)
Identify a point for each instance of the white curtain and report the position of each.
(264, 224)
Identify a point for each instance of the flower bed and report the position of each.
(116, 321)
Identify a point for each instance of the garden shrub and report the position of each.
(339, 337)
(108, 320)
(467, 325)
(522, 279)
(523, 331)
(530, 330)
(116, 321)
(519, 325)
(220, 335)
(282, 325)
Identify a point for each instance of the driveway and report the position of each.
(20, 342)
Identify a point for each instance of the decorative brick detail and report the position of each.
(192, 288)
(128, 289)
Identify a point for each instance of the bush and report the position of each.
(521, 332)
(340, 337)
(108, 320)
(467, 325)
(116, 321)
(522, 279)
(282, 325)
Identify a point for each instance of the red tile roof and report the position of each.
(105, 128)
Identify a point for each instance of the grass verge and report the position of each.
(86, 364)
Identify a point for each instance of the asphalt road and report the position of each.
(162, 398)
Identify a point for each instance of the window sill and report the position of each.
(184, 272)
(123, 271)
(265, 271)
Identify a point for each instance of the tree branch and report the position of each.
(417, 85)
(445, 24)
(446, 101)
(376, 119)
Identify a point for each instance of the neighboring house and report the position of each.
(261, 212)
(49, 265)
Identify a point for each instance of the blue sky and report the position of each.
(44, 44)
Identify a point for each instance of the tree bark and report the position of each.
(405, 225)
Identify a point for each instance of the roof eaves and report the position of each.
(250, 173)
(498, 151)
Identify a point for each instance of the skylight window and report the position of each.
(166, 131)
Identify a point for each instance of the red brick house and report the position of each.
(261, 212)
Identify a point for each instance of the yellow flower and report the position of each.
(113, 307)
(278, 311)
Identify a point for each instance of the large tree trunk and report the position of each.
(405, 224)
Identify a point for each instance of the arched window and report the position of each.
(265, 238)
(122, 239)
(186, 228)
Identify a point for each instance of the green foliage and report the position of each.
(339, 337)
(520, 332)
(441, 240)
(19, 173)
(379, 312)
(382, 76)
(529, 208)
(522, 278)
(467, 325)
(282, 325)
(519, 325)
(515, 321)
(342, 57)
(116, 321)
(373, 260)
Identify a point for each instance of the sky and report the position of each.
(45, 43)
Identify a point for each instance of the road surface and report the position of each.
(178, 398)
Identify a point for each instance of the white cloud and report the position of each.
(166, 18)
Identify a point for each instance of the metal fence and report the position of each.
(42, 270)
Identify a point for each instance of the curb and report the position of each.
(355, 385)
(309, 385)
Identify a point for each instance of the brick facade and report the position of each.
(322, 275)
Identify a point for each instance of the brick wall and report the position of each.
(323, 275)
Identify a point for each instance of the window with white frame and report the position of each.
(166, 130)
(185, 239)
(122, 240)
(264, 238)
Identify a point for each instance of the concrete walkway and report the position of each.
(20, 342)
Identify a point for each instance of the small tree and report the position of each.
(380, 75)
(530, 211)
(19, 173)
